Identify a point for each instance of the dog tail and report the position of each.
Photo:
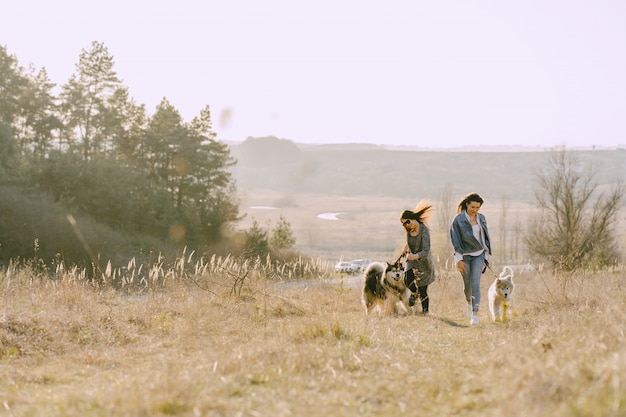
(373, 274)
(506, 271)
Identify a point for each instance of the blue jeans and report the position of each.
(471, 278)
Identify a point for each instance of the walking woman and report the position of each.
(420, 268)
(472, 247)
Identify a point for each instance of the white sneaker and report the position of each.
(474, 320)
(470, 312)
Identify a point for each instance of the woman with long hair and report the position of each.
(420, 268)
(472, 247)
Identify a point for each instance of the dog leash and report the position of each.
(400, 257)
(403, 254)
(489, 266)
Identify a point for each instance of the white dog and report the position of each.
(500, 294)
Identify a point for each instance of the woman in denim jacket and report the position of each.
(472, 247)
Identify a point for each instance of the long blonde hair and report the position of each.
(421, 213)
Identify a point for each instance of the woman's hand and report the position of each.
(460, 266)
(412, 257)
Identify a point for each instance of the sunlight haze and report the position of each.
(405, 73)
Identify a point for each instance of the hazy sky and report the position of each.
(433, 73)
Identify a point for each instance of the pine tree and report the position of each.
(282, 236)
(85, 100)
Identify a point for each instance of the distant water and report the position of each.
(328, 216)
(323, 216)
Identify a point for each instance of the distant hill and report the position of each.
(361, 169)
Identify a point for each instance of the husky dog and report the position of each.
(500, 294)
(384, 288)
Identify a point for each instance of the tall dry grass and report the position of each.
(202, 343)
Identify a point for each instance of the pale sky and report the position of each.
(432, 73)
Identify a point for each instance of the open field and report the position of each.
(369, 226)
(370, 186)
(308, 349)
(206, 343)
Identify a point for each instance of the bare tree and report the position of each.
(574, 228)
(517, 236)
(503, 223)
(446, 209)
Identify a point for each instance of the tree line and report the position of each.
(92, 152)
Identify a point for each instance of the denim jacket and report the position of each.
(462, 237)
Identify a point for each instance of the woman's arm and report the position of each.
(455, 235)
(425, 233)
(487, 238)
(455, 239)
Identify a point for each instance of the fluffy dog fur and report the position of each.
(384, 289)
(500, 294)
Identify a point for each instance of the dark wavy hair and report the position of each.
(468, 199)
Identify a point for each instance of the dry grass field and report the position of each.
(242, 341)
(369, 227)
(197, 347)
